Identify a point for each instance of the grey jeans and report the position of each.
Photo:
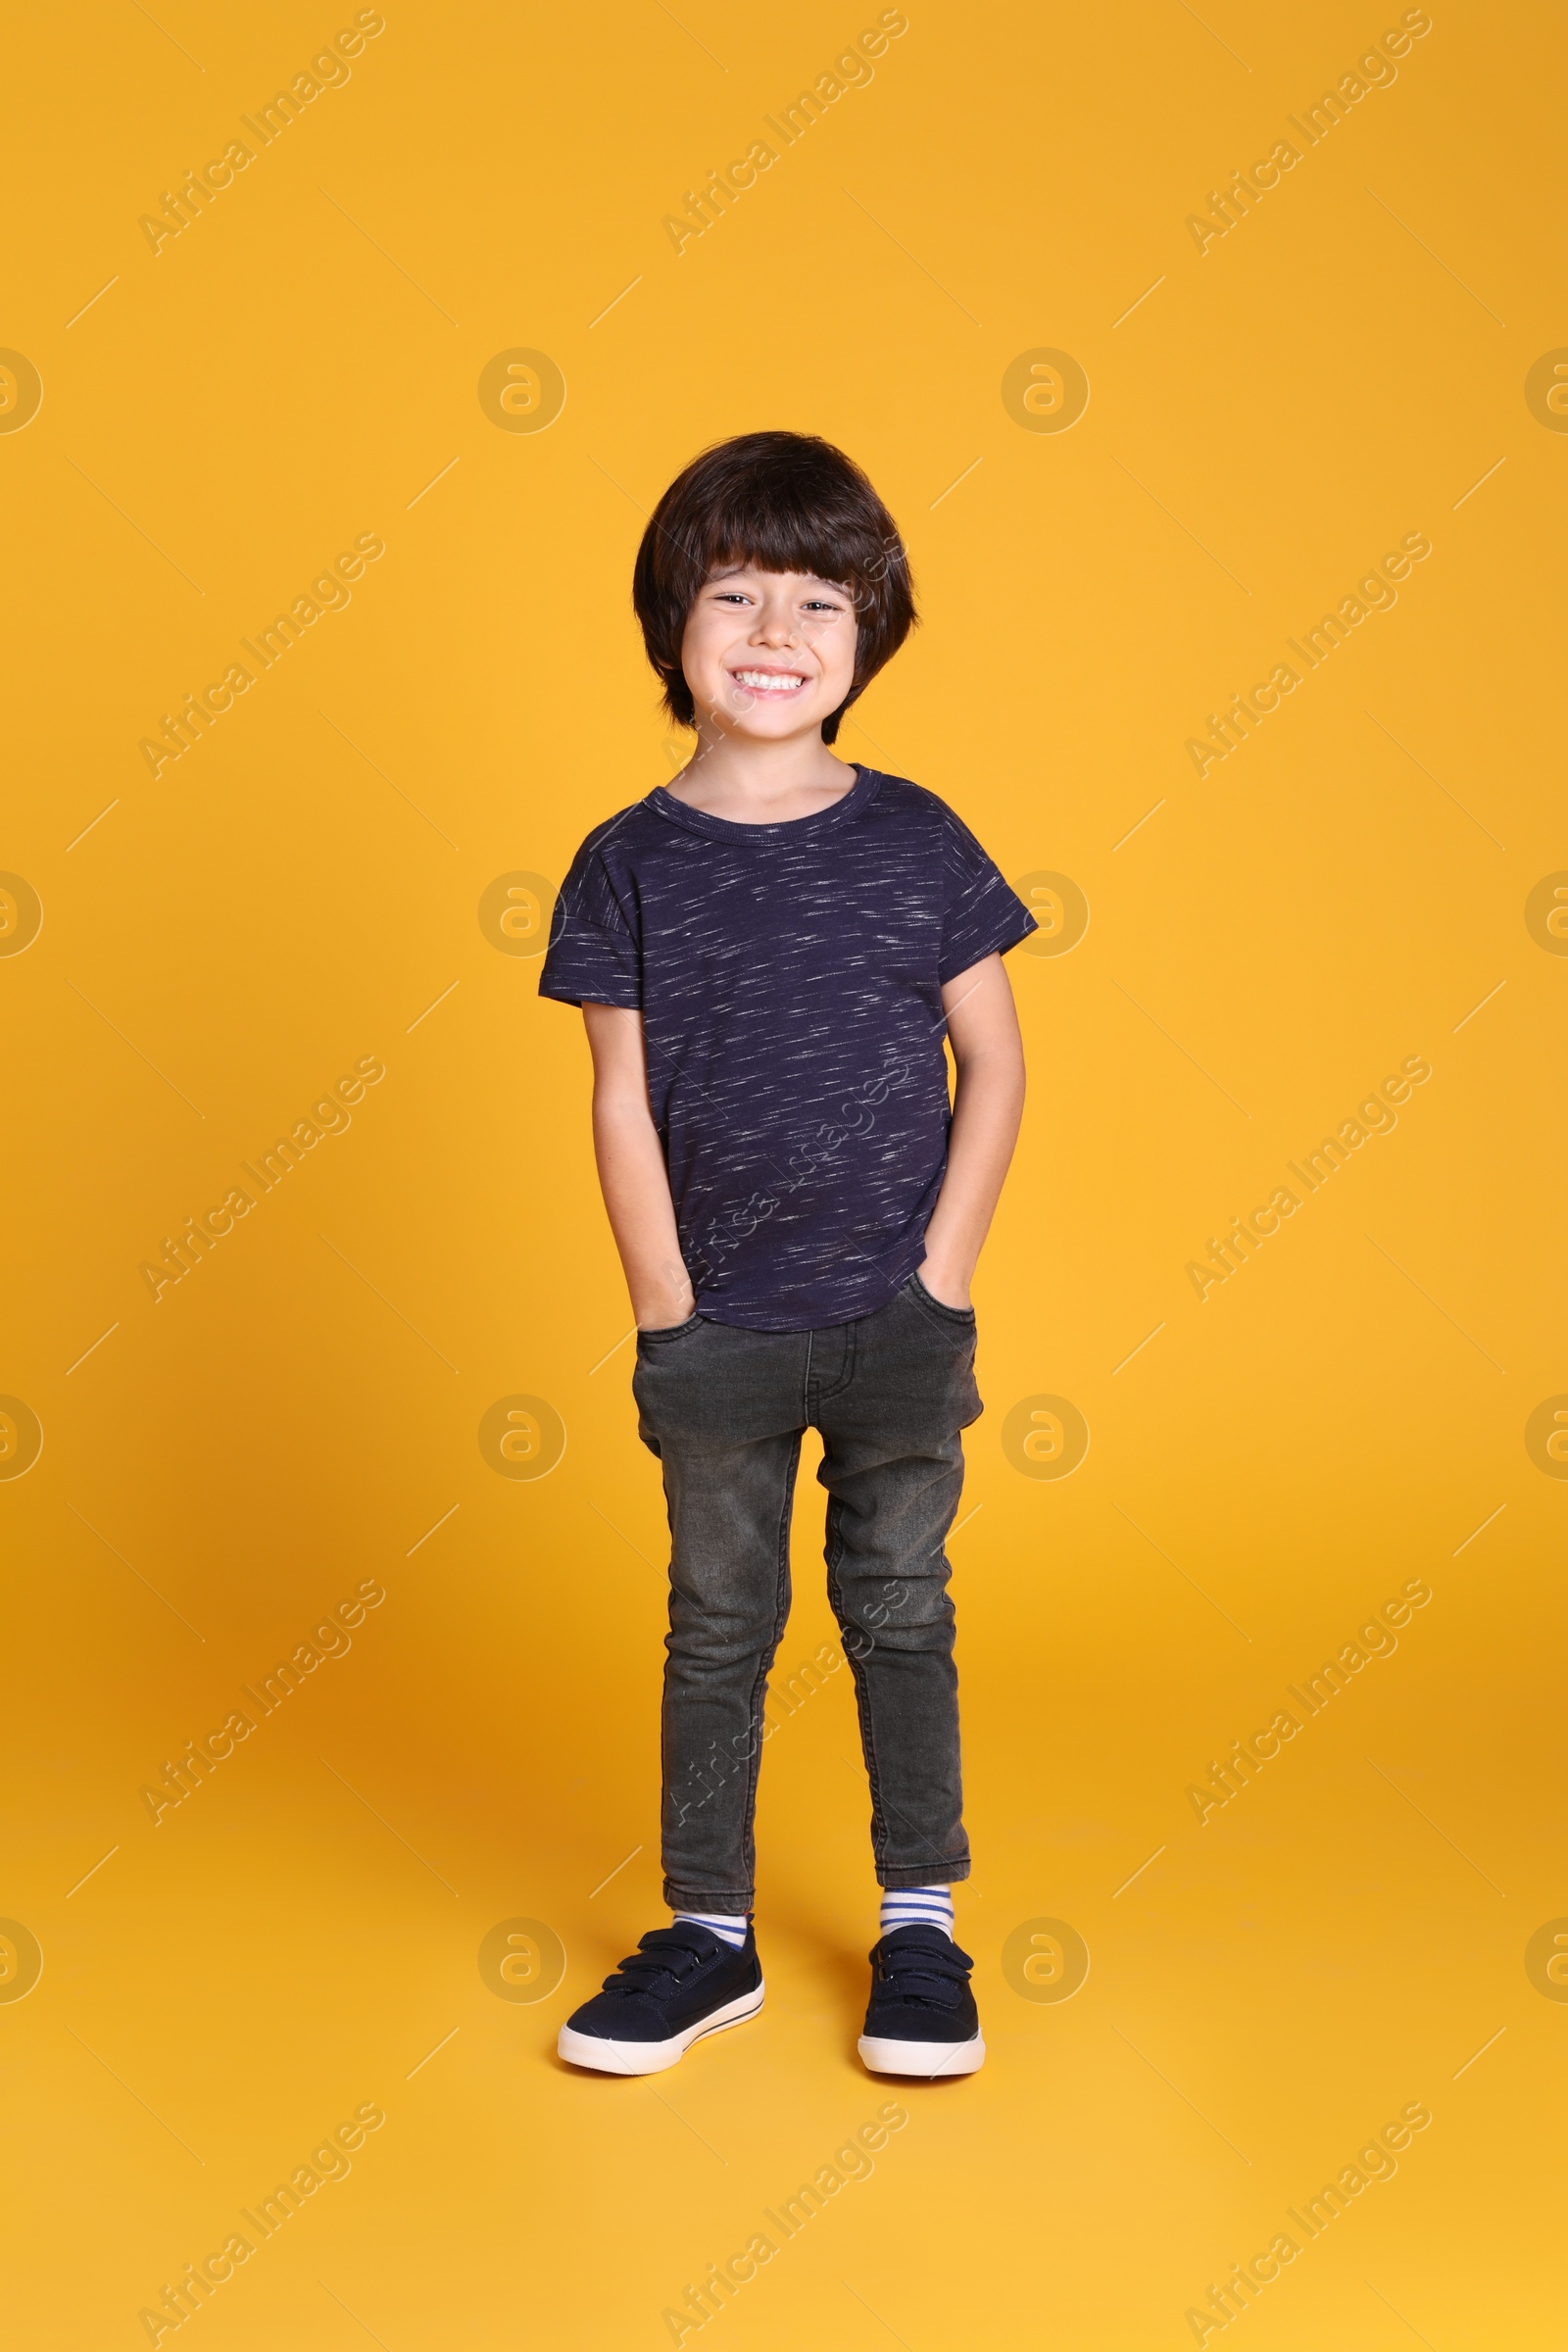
(724, 1411)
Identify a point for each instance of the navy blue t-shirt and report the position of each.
(790, 981)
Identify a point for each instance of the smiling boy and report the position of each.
(773, 956)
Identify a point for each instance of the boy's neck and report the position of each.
(761, 783)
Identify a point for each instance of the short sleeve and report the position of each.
(592, 957)
(982, 914)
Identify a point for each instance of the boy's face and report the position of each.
(768, 654)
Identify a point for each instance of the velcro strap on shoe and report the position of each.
(661, 1953)
(923, 1972)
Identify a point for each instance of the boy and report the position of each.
(768, 954)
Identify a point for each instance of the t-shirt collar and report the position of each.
(721, 828)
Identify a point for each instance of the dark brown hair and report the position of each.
(783, 502)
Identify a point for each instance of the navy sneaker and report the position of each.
(682, 1982)
(922, 2019)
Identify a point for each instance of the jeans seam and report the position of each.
(826, 1395)
(862, 1696)
(754, 1762)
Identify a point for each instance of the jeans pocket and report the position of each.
(958, 1319)
(669, 1331)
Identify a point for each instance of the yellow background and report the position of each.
(294, 369)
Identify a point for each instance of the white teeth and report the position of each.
(767, 681)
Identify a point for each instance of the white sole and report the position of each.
(652, 2057)
(929, 2059)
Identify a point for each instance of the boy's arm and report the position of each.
(632, 1175)
(988, 1106)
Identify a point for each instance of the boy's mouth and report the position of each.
(769, 681)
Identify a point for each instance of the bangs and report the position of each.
(769, 540)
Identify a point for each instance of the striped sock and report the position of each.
(917, 1907)
(729, 1925)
